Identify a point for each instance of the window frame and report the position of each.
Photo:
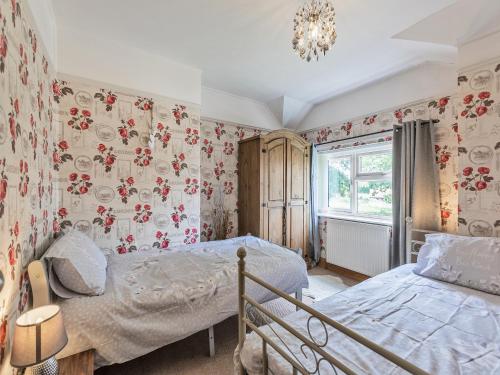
(355, 155)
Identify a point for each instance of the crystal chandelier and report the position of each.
(314, 29)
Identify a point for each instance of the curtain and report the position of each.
(415, 185)
(314, 244)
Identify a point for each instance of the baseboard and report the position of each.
(345, 272)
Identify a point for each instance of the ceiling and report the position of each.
(463, 23)
(244, 47)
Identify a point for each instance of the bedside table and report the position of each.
(77, 364)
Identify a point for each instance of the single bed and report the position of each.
(155, 298)
(395, 323)
(441, 327)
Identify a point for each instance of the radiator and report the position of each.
(359, 247)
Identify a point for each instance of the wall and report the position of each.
(27, 185)
(219, 172)
(446, 147)
(115, 187)
(424, 81)
(479, 163)
(42, 14)
(120, 65)
(222, 106)
(479, 51)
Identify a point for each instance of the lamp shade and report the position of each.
(39, 334)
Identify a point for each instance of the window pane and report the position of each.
(375, 163)
(375, 198)
(339, 183)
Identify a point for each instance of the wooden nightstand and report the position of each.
(77, 364)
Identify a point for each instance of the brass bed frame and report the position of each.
(317, 349)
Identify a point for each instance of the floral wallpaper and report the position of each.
(219, 172)
(479, 152)
(27, 181)
(132, 172)
(447, 138)
(136, 173)
(128, 167)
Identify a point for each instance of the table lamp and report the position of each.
(38, 336)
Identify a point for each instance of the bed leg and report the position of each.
(298, 295)
(211, 341)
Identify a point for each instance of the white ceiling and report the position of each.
(244, 47)
(463, 23)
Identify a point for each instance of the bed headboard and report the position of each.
(39, 283)
(415, 238)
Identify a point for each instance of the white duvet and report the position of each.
(442, 328)
(156, 298)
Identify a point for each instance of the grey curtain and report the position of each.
(314, 245)
(415, 185)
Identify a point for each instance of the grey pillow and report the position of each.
(473, 262)
(76, 266)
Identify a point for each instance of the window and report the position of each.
(357, 182)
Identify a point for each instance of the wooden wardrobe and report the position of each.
(273, 188)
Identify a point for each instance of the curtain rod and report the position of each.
(369, 134)
(354, 137)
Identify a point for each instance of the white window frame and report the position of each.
(356, 176)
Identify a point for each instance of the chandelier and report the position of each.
(314, 29)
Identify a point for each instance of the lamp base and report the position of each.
(49, 367)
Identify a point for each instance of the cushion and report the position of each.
(473, 262)
(76, 266)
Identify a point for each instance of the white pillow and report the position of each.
(472, 262)
(76, 265)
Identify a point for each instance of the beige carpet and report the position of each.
(323, 286)
(190, 356)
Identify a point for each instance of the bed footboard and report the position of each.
(317, 347)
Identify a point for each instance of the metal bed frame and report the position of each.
(318, 350)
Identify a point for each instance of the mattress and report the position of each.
(442, 328)
(158, 297)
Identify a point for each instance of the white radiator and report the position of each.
(359, 247)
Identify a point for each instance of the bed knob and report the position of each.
(241, 253)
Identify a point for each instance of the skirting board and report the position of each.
(343, 271)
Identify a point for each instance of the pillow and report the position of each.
(76, 266)
(472, 262)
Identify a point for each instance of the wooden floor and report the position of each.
(190, 356)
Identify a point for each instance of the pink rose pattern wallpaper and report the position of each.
(467, 147)
(446, 146)
(128, 168)
(219, 172)
(78, 156)
(27, 180)
(479, 151)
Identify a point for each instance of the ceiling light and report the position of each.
(314, 29)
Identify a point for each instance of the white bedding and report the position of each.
(156, 298)
(442, 328)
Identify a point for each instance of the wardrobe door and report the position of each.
(274, 191)
(250, 188)
(297, 212)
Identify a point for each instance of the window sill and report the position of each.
(360, 219)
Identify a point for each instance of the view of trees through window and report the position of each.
(361, 184)
(339, 183)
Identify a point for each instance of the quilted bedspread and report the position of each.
(155, 298)
(442, 328)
